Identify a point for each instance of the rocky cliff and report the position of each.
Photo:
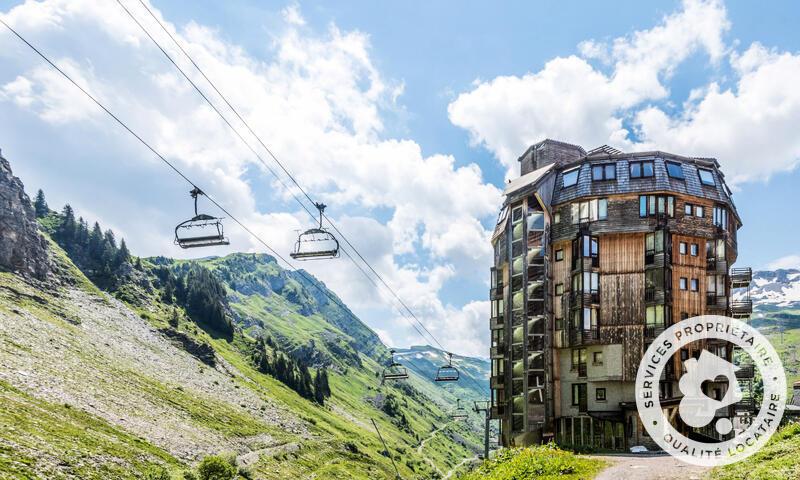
(22, 248)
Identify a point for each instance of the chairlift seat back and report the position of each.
(315, 244)
(447, 374)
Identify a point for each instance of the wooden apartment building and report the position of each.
(595, 253)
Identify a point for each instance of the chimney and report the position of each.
(547, 152)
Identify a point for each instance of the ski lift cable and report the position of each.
(272, 171)
(184, 176)
(261, 142)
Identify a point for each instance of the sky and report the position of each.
(406, 118)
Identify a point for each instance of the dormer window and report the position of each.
(706, 176)
(571, 177)
(675, 170)
(641, 169)
(606, 171)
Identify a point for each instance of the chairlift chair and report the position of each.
(395, 371)
(201, 230)
(316, 243)
(460, 413)
(447, 373)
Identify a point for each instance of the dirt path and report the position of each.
(455, 469)
(430, 437)
(648, 467)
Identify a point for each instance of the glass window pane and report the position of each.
(674, 170)
(597, 172)
(636, 170)
(642, 206)
(698, 211)
(593, 209)
(584, 210)
(571, 177)
(611, 171)
(706, 177)
(574, 212)
(647, 169)
(652, 206)
(602, 207)
(649, 241)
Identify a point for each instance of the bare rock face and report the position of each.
(23, 249)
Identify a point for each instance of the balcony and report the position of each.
(577, 337)
(652, 331)
(498, 352)
(657, 295)
(713, 265)
(741, 308)
(497, 323)
(668, 373)
(653, 259)
(585, 298)
(497, 383)
(716, 302)
(497, 412)
(741, 277)
(746, 371)
(496, 293)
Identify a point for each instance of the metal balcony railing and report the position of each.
(741, 308)
(577, 337)
(652, 331)
(496, 323)
(716, 302)
(741, 277)
(497, 382)
(497, 352)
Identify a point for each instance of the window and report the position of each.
(654, 243)
(597, 358)
(693, 249)
(600, 394)
(695, 285)
(654, 316)
(578, 394)
(589, 211)
(721, 217)
(652, 205)
(557, 217)
(684, 354)
(578, 357)
(585, 246)
(675, 170)
(641, 169)
(698, 211)
(683, 283)
(571, 177)
(604, 172)
(687, 210)
(706, 176)
(559, 289)
(559, 255)
(682, 248)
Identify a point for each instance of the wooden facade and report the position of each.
(627, 278)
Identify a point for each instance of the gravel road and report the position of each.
(648, 467)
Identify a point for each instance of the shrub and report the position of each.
(156, 473)
(214, 467)
(542, 463)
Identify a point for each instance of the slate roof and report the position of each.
(660, 182)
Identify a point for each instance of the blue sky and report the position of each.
(406, 118)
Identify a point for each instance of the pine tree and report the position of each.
(319, 395)
(66, 231)
(40, 205)
(123, 255)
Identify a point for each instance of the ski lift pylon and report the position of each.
(316, 243)
(394, 371)
(447, 373)
(209, 230)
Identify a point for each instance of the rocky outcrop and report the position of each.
(23, 249)
(202, 351)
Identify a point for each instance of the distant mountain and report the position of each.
(474, 381)
(776, 289)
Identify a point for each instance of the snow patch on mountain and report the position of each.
(778, 288)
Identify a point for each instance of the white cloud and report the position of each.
(570, 99)
(787, 262)
(318, 102)
(751, 128)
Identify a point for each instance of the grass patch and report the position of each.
(540, 463)
(39, 439)
(780, 458)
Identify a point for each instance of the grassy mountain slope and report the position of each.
(126, 396)
(474, 372)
